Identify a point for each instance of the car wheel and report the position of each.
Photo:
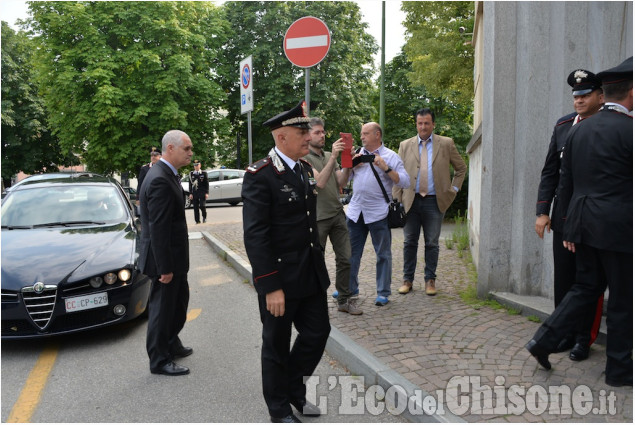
(187, 202)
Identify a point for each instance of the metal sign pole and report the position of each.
(249, 135)
(307, 90)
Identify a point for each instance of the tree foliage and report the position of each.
(27, 144)
(116, 76)
(442, 58)
(341, 85)
(403, 99)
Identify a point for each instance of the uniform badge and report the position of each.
(579, 75)
(286, 188)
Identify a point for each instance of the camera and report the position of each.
(363, 158)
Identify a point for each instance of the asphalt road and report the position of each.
(103, 375)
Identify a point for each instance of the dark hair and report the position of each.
(424, 111)
(617, 91)
(316, 121)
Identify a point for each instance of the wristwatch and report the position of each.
(388, 170)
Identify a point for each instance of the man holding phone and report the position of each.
(331, 220)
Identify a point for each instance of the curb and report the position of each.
(354, 357)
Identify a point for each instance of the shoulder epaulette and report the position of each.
(566, 119)
(259, 165)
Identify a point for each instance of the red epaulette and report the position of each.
(257, 166)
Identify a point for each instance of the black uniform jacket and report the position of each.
(198, 183)
(164, 238)
(550, 176)
(596, 184)
(280, 229)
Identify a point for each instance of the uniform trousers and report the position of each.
(564, 270)
(283, 369)
(198, 201)
(335, 229)
(166, 317)
(595, 269)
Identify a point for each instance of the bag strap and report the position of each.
(383, 189)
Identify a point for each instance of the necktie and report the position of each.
(297, 171)
(423, 170)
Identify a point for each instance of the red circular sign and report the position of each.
(307, 41)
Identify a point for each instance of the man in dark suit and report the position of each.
(164, 254)
(199, 191)
(289, 274)
(155, 155)
(587, 100)
(596, 189)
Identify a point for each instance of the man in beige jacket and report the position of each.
(429, 195)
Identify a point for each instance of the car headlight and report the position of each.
(124, 275)
(96, 282)
(110, 278)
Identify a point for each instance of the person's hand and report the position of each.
(275, 303)
(166, 278)
(191, 196)
(569, 245)
(338, 147)
(206, 195)
(543, 222)
(380, 163)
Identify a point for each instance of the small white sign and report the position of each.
(246, 86)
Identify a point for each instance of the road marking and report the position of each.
(31, 393)
(193, 314)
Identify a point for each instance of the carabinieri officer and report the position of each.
(199, 191)
(289, 274)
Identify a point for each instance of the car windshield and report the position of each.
(63, 205)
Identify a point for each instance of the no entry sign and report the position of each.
(307, 42)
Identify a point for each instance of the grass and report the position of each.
(461, 240)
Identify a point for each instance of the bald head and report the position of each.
(371, 136)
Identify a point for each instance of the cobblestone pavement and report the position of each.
(431, 340)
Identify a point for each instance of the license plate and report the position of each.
(86, 302)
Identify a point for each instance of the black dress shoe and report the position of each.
(306, 409)
(289, 419)
(182, 352)
(580, 352)
(620, 382)
(171, 369)
(539, 354)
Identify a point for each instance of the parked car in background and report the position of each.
(225, 185)
(131, 192)
(70, 244)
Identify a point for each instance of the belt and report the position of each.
(427, 196)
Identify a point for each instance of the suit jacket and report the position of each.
(164, 238)
(280, 229)
(550, 176)
(596, 184)
(444, 153)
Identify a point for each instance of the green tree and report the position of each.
(27, 143)
(442, 58)
(117, 75)
(341, 84)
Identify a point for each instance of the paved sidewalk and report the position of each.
(434, 342)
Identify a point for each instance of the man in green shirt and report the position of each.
(331, 220)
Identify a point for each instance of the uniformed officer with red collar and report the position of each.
(289, 274)
(596, 189)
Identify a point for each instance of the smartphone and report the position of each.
(347, 159)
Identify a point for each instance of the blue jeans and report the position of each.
(382, 239)
(425, 214)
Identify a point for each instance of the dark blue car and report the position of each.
(70, 244)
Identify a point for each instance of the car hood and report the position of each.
(57, 255)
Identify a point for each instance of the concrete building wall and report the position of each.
(529, 48)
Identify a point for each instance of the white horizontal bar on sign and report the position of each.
(304, 42)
